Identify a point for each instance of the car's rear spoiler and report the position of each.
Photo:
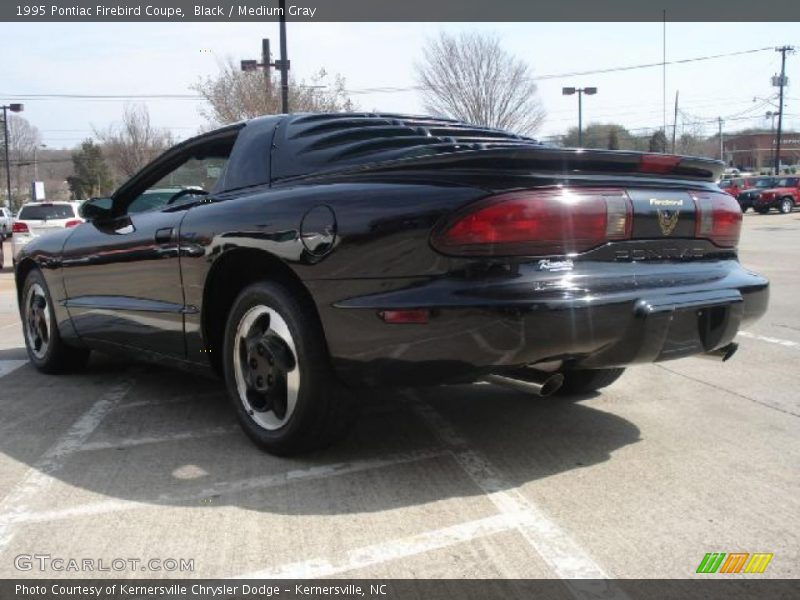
(548, 160)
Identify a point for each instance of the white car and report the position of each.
(6, 219)
(37, 218)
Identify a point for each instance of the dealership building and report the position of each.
(756, 151)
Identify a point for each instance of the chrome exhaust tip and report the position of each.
(528, 381)
(722, 354)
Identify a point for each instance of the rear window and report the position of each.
(46, 212)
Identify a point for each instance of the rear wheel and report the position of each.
(278, 373)
(786, 206)
(584, 381)
(46, 350)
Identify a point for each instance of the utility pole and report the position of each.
(284, 60)
(266, 65)
(13, 108)
(721, 142)
(675, 121)
(781, 82)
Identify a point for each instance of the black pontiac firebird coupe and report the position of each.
(299, 255)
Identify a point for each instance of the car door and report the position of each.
(122, 273)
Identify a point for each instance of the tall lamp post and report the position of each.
(13, 108)
(771, 115)
(589, 91)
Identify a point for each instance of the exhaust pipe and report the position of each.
(722, 354)
(528, 381)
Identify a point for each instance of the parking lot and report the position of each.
(640, 481)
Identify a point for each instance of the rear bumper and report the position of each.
(593, 317)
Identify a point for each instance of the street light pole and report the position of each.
(569, 91)
(6, 108)
(771, 116)
(284, 60)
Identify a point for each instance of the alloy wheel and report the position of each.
(265, 367)
(37, 321)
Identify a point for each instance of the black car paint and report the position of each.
(358, 240)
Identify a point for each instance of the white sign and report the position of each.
(37, 191)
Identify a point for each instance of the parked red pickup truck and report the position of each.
(784, 195)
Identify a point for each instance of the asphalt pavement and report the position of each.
(675, 460)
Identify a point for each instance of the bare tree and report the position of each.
(23, 139)
(470, 77)
(234, 95)
(134, 143)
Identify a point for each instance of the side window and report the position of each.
(183, 178)
(195, 177)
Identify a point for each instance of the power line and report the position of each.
(384, 89)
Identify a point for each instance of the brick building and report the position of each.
(756, 151)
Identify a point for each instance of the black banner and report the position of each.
(732, 588)
(405, 11)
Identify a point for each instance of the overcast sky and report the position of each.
(166, 58)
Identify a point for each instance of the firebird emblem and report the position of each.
(667, 220)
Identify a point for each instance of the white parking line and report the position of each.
(770, 340)
(8, 366)
(553, 544)
(392, 550)
(155, 439)
(224, 488)
(39, 476)
(556, 547)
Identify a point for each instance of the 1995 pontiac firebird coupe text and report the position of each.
(302, 255)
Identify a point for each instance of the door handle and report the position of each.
(164, 235)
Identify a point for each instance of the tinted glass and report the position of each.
(199, 174)
(41, 212)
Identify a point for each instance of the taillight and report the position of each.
(719, 218)
(73, 223)
(658, 163)
(556, 221)
(18, 227)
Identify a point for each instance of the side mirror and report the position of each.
(96, 209)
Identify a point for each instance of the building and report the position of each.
(756, 151)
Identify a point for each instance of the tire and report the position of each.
(584, 381)
(46, 350)
(278, 373)
(786, 206)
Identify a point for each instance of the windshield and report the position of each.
(44, 212)
(725, 183)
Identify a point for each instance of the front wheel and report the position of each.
(584, 381)
(786, 206)
(278, 373)
(46, 350)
